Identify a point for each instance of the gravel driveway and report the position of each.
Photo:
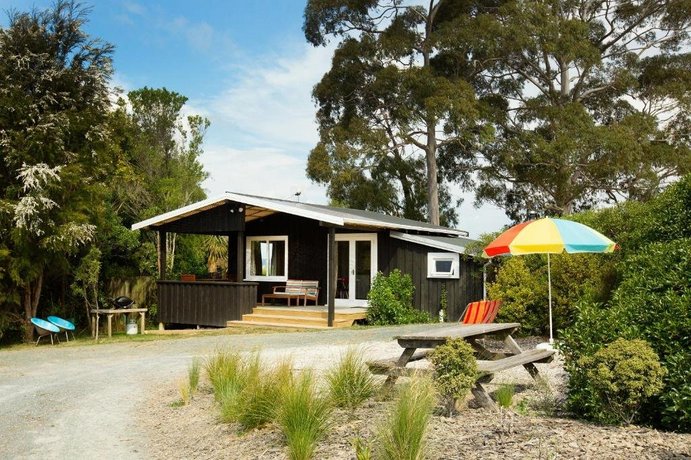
(80, 402)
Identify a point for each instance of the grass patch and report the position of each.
(303, 417)
(193, 374)
(402, 435)
(350, 383)
(504, 395)
(185, 392)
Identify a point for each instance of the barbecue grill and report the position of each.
(122, 302)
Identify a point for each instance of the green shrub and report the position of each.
(350, 382)
(303, 417)
(504, 395)
(391, 300)
(623, 375)
(402, 435)
(455, 371)
(653, 303)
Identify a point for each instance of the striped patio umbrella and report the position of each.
(549, 236)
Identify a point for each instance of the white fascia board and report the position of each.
(285, 208)
(377, 223)
(418, 239)
(252, 201)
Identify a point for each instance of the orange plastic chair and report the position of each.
(480, 312)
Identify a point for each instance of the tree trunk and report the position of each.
(432, 185)
(31, 293)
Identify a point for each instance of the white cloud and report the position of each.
(261, 171)
(270, 102)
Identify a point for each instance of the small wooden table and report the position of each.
(488, 362)
(110, 312)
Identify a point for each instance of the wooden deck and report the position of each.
(314, 317)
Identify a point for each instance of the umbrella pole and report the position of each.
(549, 284)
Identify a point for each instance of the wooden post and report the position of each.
(162, 256)
(240, 256)
(232, 260)
(332, 277)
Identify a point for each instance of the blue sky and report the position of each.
(247, 67)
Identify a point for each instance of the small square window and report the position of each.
(442, 265)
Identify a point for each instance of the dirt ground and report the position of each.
(193, 431)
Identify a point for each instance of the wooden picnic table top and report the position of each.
(442, 332)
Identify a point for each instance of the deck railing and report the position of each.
(204, 303)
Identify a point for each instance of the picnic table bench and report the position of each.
(489, 362)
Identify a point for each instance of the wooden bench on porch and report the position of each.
(295, 289)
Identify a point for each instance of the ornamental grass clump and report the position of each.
(455, 371)
(223, 370)
(257, 403)
(350, 383)
(504, 395)
(303, 417)
(193, 375)
(624, 374)
(402, 435)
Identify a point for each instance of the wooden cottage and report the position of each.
(272, 241)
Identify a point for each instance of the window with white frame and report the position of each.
(266, 258)
(442, 265)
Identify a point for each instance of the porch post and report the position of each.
(232, 261)
(240, 256)
(162, 256)
(332, 277)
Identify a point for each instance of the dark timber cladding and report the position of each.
(210, 303)
(220, 220)
(307, 244)
(411, 258)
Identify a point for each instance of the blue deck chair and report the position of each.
(63, 325)
(44, 328)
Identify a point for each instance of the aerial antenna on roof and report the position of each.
(297, 195)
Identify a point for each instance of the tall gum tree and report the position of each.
(597, 102)
(385, 109)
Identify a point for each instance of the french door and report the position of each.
(356, 267)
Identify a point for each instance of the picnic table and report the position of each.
(110, 312)
(489, 362)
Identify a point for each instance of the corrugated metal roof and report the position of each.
(446, 243)
(328, 214)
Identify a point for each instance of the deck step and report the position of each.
(315, 312)
(238, 323)
(297, 320)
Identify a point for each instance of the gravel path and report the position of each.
(82, 401)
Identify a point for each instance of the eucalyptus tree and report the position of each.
(389, 102)
(597, 101)
(54, 98)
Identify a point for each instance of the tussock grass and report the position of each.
(185, 392)
(504, 395)
(193, 375)
(402, 435)
(303, 417)
(258, 402)
(350, 383)
(223, 370)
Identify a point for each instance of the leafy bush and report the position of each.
(623, 375)
(391, 301)
(350, 382)
(402, 435)
(455, 371)
(303, 417)
(652, 303)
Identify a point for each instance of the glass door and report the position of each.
(356, 265)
